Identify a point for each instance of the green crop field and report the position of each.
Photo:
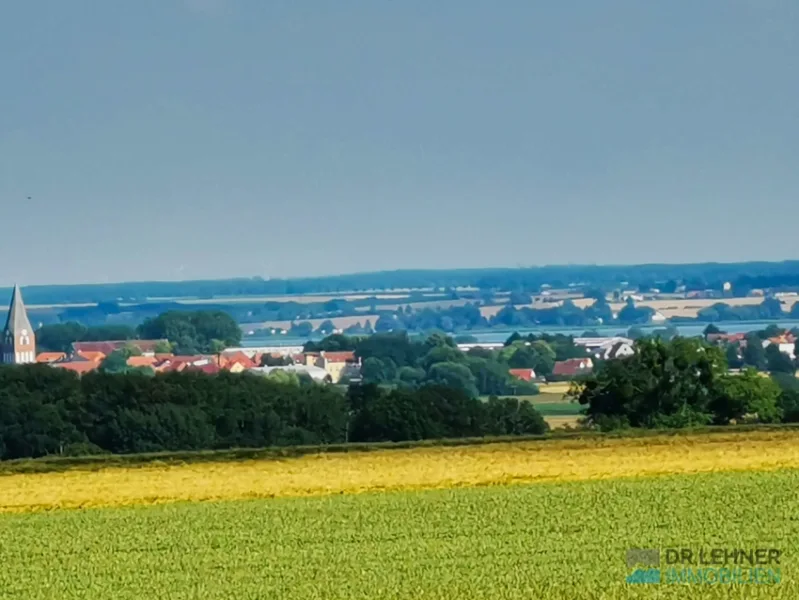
(548, 540)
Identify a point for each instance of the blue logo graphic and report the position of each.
(644, 576)
(646, 565)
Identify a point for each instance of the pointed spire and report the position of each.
(17, 320)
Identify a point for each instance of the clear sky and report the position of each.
(176, 139)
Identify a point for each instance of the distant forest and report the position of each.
(700, 276)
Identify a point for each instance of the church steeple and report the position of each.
(18, 341)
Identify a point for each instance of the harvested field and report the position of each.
(419, 468)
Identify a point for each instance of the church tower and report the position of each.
(18, 342)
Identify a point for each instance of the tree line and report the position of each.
(683, 382)
(188, 332)
(50, 411)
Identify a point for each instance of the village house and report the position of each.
(523, 374)
(336, 364)
(573, 367)
(726, 338)
(607, 348)
(78, 364)
(316, 373)
(619, 349)
(50, 357)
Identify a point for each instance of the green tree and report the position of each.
(753, 353)
(192, 332)
(777, 361)
(333, 343)
(104, 333)
(492, 378)
(770, 331)
(396, 346)
(59, 337)
(440, 354)
(521, 298)
(631, 314)
(734, 360)
(302, 329)
(129, 350)
(411, 376)
(270, 360)
(377, 370)
(746, 395)
(326, 327)
(789, 405)
(284, 377)
(546, 357)
(663, 384)
(116, 362)
(511, 416)
(163, 347)
(453, 375)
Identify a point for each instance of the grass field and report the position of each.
(554, 540)
(557, 409)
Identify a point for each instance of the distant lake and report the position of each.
(685, 329)
(500, 335)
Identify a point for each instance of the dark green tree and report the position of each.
(747, 395)
(453, 375)
(733, 355)
(753, 353)
(511, 416)
(377, 370)
(777, 361)
(664, 384)
(116, 362)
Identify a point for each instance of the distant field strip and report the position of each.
(420, 468)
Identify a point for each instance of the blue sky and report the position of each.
(176, 139)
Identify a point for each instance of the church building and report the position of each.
(18, 343)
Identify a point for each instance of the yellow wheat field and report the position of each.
(420, 468)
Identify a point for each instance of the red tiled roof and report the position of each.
(142, 361)
(523, 374)
(339, 356)
(572, 366)
(239, 358)
(179, 363)
(209, 369)
(107, 347)
(92, 356)
(50, 357)
(80, 367)
(726, 337)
